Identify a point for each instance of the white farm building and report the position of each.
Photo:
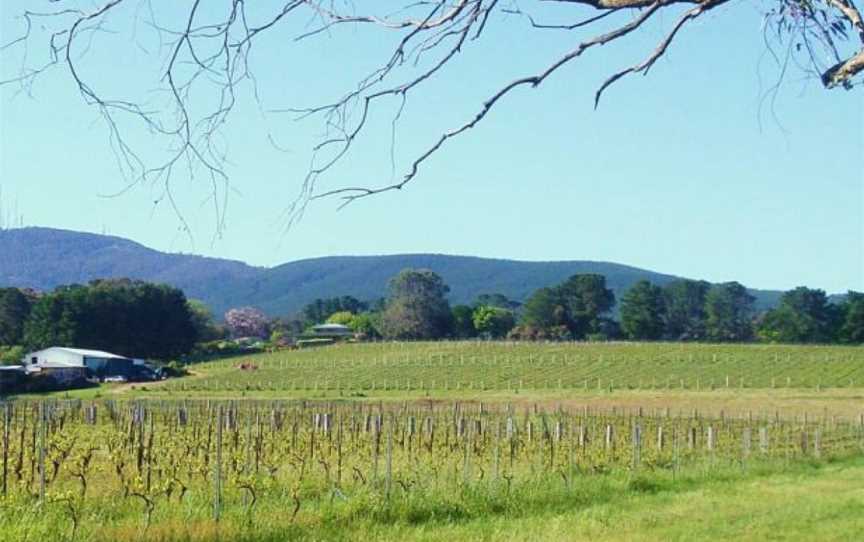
(95, 361)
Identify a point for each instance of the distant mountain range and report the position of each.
(44, 258)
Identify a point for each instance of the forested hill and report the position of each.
(43, 258)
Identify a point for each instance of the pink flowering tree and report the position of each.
(247, 322)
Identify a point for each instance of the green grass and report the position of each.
(770, 501)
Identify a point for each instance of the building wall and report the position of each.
(55, 355)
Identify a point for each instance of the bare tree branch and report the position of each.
(205, 59)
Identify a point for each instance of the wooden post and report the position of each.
(42, 435)
(637, 445)
(817, 443)
(6, 421)
(711, 437)
(217, 470)
(389, 480)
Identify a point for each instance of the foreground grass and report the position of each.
(769, 501)
(819, 504)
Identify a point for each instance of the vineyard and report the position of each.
(165, 470)
(511, 367)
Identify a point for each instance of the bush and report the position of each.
(11, 355)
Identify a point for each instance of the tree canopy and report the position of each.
(125, 317)
(642, 311)
(417, 307)
(684, 302)
(728, 310)
(804, 315)
(15, 308)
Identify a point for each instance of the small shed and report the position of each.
(332, 330)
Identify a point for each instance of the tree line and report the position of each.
(157, 321)
(121, 316)
(581, 308)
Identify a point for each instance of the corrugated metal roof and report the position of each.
(333, 327)
(85, 352)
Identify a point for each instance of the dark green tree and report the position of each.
(544, 310)
(728, 313)
(586, 300)
(15, 308)
(129, 318)
(417, 307)
(463, 322)
(684, 301)
(642, 312)
(852, 326)
(206, 329)
(803, 315)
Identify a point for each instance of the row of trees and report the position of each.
(687, 310)
(581, 308)
(157, 321)
(690, 310)
(125, 317)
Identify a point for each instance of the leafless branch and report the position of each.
(205, 59)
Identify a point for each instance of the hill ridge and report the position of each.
(43, 258)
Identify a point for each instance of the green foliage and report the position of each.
(342, 317)
(728, 310)
(544, 310)
(587, 300)
(130, 318)
(684, 302)
(417, 307)
(366, 324)
(493, 322)
(852, 327)
(579, 304)
(642, 311)
(206, 329)
(15, 308)
(320, 310)
(277, 337)
(803, 316)
(463, 322)
(11, 355)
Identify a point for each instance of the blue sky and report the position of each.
(686, 171)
